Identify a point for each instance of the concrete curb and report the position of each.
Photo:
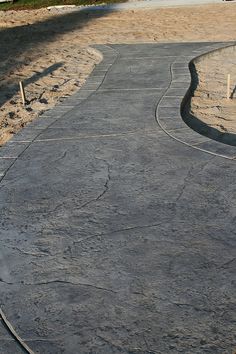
(170, 112)
(194, 122)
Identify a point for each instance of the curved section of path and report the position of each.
(117, 233)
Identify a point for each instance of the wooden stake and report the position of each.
(228, 87)
(22, 91)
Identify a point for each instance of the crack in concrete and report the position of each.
(193, 306)
(128, 350)
(106, 185)
(60, 157)
(109, 342)
(5, 282)
(41, 131)
(117, 346)
(202, 167)
(106, 188)
(39, 254)
(58, 281)
(117, 231)
(185, 182)
(226, 264)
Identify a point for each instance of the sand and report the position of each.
(210, 103)
(50, 50)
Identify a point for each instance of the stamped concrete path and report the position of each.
(118, 220)
(140, 4)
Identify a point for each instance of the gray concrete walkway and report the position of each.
(142, 4)
(117, 220)
(157, 3)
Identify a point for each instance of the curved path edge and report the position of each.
(161, 205)
(20, 142)
(171, 105)
(174, 101)
(193, 121)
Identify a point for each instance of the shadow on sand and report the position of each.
(194, 122)
(16, 41)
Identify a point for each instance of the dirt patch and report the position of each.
(55, 74)
(50, 51)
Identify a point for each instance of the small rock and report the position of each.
(43, 100)
(11, 115)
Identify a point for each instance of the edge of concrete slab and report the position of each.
(20, 142)
(194, 122)
(171, 109)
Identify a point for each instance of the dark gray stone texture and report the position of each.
(117, 220)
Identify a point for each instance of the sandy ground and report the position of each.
(49, 50)
(210, 102)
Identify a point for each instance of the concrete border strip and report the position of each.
(214, 47)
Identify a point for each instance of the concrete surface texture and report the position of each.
(117, 220)
(142, 4)
(159, 3)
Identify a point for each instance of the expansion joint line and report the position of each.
(3, 317)
(56, 120)
(169, 133)
(14, 334)
(117, 56)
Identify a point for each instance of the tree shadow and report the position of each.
(16, 41)
(8, 92)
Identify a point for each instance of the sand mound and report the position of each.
(209, 103)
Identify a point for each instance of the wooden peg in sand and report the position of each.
(22, 91)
